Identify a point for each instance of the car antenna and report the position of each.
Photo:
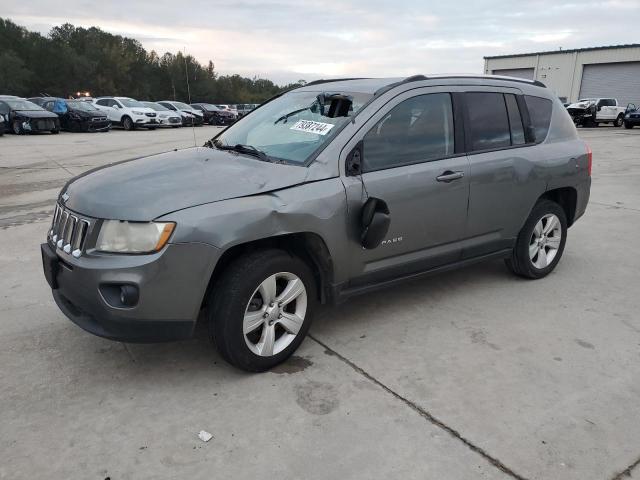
(186, 73)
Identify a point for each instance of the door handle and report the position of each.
(449, 176)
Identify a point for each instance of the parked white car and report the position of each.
(166, 117)
(127, 112)
(190, 116)
(593, 111)
(229, 108)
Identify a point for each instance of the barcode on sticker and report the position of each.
(310, 126)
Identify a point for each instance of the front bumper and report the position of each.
(171, 286)
(632, 120)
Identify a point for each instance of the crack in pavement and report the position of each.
(425, 414)
(615, 206)
(627, 471)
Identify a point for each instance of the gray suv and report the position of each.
(326, 191)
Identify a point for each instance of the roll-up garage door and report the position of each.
(515, 72)
(612, 80)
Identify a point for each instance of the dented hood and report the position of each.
(149, 187)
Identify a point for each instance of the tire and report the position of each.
(628, 125)
(16, 127)
(526, 260)
(55, 131)
(619, 121)
(128, 124)
(241, 290)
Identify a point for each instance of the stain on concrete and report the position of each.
(479, 337)
(25, 219)
(557, 359)
(584, 344)
(295, 364)
(317, 398)
(19, 188)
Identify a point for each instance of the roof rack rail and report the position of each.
(329, 80)
(412, 78)
(537, 83)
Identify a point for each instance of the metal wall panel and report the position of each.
(515, 72)
(612, 80)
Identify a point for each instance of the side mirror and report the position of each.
(375, 221)
(599, 107)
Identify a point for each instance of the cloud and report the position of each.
(286, 40)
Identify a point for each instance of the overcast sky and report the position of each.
(286, 40)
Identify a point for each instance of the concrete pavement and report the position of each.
(468, 374)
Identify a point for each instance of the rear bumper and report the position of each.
(583, 190)
(171, 286)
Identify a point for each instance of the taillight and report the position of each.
(589, 160)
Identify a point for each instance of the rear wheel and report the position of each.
(619, 120)
(541, 241)
(128, 124)
(261, 309)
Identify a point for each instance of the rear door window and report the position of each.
(540, 115)
(488, 120)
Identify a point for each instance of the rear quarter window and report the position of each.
(540, 115)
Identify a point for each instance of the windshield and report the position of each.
(156, 106)
(127, 102)
(292, 127)
(210, 107)
(182, 106)
(81, 105)
(586, 100)
(22, 105)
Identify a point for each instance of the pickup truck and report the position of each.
(589, 112)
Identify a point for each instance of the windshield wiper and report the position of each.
(290, 114)
(246, 149)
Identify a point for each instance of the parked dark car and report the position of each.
(22, 116)
(631, 116)
(75, 115)
(214, 115)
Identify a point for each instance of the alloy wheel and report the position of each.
(275, 314)
(545, 241)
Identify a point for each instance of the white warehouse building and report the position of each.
(611, 72)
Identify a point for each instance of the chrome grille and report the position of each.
(68, 231)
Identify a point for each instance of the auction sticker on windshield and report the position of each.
(310, 126)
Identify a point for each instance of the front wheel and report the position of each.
(541, 241)
(16, 126)
(261, 309)
(628, 125)
(619, 120)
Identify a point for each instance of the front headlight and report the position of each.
(136, 112)
(133, 237)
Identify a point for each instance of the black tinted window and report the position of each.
(515, 120)
(416, 130)
(540, 114)
(488, 120)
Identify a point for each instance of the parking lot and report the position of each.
(469, 374)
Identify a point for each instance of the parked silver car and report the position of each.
(326, 191)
